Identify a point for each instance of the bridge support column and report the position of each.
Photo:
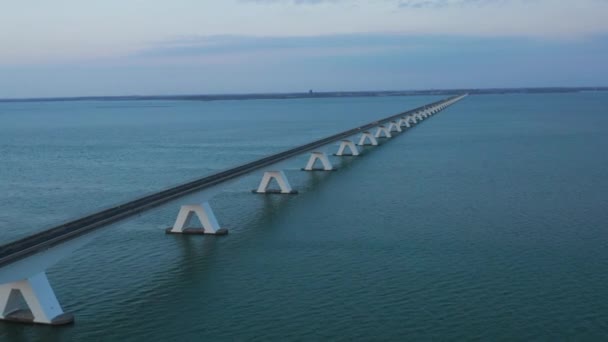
(322, 157)
(382, 132)
(405, 121)
(394, 127)
(41, 305)
(205, 215)
(367, 139)
(279, 176)
(354, 151)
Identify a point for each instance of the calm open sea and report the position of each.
(489, 221)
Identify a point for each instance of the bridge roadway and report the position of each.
(38, 242)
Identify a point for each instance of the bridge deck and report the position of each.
(34, 243)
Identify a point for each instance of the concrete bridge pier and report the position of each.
(394, 127)
(354, 151)
(405, 121)
(205, 215)
(280, 178)
(382, 132)
(320, 156)
(367, 139)
(41, 304)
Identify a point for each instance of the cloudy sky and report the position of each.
(146, 47)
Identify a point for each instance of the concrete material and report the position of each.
(405, 121)
(41, 305)
(280, 178)
(382, 132)
(354, 151)
(394, 127)
(318, 156)
(367, 139)
(205, 215)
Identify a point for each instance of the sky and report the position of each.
(158, 47)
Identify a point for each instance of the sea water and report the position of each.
(487, 221)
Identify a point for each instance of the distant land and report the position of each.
(311, 94)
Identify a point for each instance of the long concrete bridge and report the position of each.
(23, 262)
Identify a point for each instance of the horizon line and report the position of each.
(308, 94)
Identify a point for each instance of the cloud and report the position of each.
(297, 2)
(447, 3)
(234, 49)
(228, 64)
(398, 3)
(227, 49)
(49, 36)
(220, 44)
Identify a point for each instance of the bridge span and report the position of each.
(21, 275)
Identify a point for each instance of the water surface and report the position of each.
(488, 221)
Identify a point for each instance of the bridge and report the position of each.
(23, 262)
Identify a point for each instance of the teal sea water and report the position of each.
(488, 221)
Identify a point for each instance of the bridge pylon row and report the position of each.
(366, 138)
(27, 296)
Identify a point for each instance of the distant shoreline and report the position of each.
(278, 96)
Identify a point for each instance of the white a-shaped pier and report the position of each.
(405, 121)
(32, 300)
(354, 151)
(394, 127)
(367, 139)
(205, 215)
(280, 178)
(382, 132)
(318, 156)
